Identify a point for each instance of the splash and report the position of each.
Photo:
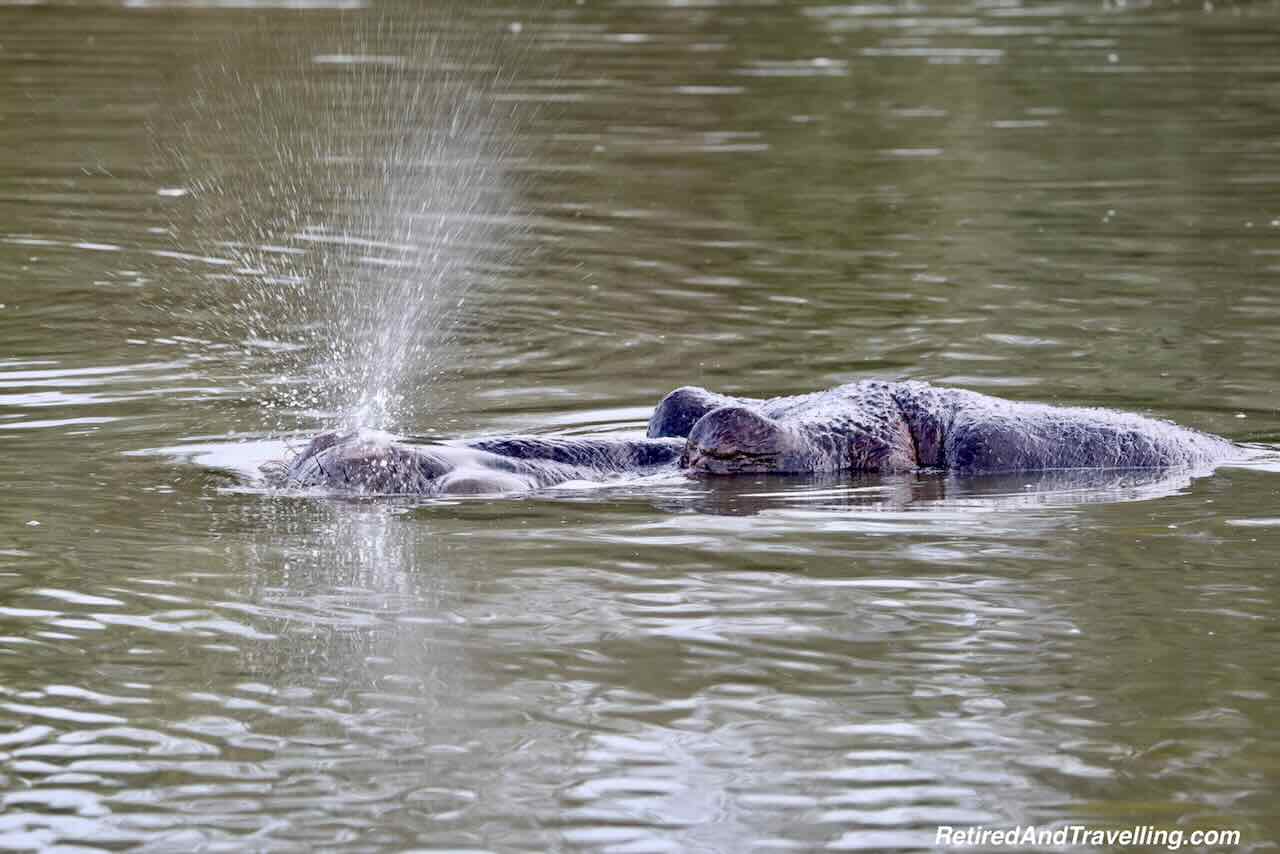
(364, 195)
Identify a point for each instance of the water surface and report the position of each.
(1072, 202)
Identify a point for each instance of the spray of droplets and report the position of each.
(363, 195)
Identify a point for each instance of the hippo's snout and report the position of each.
(735, 440)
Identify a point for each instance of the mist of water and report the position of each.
(364, 196)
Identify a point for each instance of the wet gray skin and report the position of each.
(878, 426)
(372, 463)
(861, 427)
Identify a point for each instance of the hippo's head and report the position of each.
(373, 464)
(365, 462)
(738, 440)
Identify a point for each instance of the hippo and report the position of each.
(374, 463)
(877, 426)
(869, 427)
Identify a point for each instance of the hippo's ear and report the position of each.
(681, 409)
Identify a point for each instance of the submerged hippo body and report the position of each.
(887, 427)
(373, 463)
(860, 427)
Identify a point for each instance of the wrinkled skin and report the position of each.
(868, 426)
(877, 426)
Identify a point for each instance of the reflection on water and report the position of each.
(942, 492)
(1071, 203)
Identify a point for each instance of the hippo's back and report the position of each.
(971, 432)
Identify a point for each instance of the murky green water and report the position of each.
(1074, 202)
